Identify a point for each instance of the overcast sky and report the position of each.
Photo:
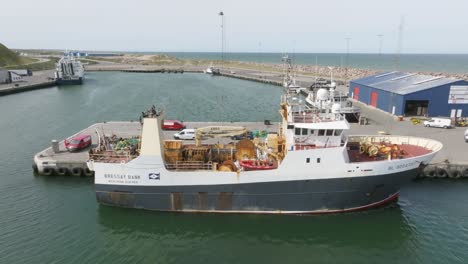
(251, 26)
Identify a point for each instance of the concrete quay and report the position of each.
(40, 79)
(46, 162)
(270, 77)
(452, 161)
(449, 162)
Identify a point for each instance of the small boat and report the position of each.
(289, 81)
(211, 70)
(250, 165)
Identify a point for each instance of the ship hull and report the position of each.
(314, 196)
(70, 81)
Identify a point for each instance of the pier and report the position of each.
(448, 163)
(63, 162)
(40, 80)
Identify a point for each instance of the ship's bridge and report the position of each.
(313, 128)
(317, 135)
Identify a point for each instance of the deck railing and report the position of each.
(190, 165)
(431, 144)
(111, 157)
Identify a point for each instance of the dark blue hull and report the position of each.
(64, 81)
(293, 197)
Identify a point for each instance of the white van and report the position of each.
(438, 122)
(188, 133)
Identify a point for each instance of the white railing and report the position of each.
(190, 165)
(431, 144)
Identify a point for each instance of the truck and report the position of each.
(438, 122)
(173, 125)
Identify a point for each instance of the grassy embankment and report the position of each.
(10, 58)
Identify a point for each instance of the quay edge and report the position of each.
(65, 163)
(28, 87)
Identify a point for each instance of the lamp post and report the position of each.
(380, 36)
(347, 58)
(221, 14)
(331, 74)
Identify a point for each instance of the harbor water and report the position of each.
(57, 220)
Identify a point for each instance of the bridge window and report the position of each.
(297, 131)
(329, 132)
(312, 131)
(338, 132)
(321, 132)
(305, 131)
(307, 160)
(318, 160)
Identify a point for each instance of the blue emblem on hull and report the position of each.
(154, 176)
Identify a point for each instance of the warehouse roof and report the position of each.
(403, 82)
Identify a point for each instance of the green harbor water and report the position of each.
(57, 220)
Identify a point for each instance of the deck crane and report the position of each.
(217, 131)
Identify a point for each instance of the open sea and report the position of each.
(450, 63)
(57, 219)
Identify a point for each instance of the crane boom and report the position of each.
(217, 131)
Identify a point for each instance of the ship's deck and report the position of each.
(404, 151)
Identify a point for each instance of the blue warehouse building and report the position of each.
(410, 94)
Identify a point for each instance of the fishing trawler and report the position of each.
(289, 80)
(69, 71)
(310, 166)
(328, 98)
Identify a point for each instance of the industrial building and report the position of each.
(7, 76)
(4, 76)
(411, 94)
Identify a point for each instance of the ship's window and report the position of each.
(329, 132)
(290, 126)
(304, 131)
(297, 131)
(307, 160)
(338, 132)
(318, 160)
(312, 131)
(321, 132)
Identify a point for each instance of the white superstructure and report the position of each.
(69, 70)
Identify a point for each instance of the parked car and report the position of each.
(78, 142)
(466, 136)
(438, 122)
(188, 133)
(172, 125)
(248, 135)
